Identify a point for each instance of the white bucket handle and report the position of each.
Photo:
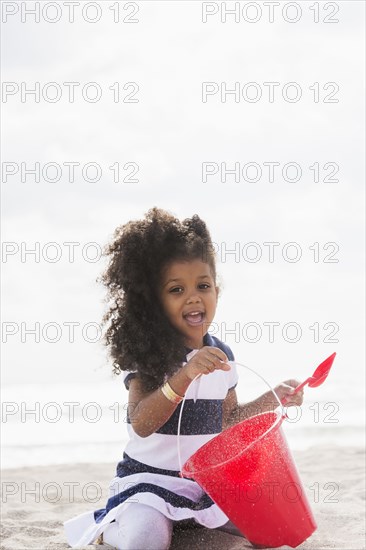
(184, 398)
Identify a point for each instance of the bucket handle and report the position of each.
(184, 399)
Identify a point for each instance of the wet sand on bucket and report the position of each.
(333, 478)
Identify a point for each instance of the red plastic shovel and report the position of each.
(318, 376)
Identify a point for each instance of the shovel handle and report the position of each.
(296, 390)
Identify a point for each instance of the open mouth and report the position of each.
(195, 318)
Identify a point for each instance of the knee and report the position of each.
(153, 531)
(147, 529)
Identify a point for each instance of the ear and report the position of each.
(217, 289)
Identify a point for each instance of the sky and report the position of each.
(307, 286)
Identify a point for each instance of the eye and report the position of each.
(176, 289)
(204, 286)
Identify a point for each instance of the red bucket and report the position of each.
(249, 472)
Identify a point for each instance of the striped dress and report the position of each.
(149, 470)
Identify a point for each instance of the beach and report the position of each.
(37, 500)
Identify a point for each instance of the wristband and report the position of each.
(170, 393)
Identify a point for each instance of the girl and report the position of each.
(161, 281)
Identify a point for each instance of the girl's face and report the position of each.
(189, 298)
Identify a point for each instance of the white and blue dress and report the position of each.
(149, 470)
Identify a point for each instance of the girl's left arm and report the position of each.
(234, 412)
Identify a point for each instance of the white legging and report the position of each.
(145, 528)
(140, 526)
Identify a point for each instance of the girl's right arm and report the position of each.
(148, 411)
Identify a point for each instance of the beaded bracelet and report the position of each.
(170, 393)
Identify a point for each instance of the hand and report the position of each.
(285, 393)
(205, 361)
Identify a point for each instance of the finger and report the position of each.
(225, 366)
(291, 390)
(217, 366)
(218, 354)
(293, 383)
(209, 368)
(212, 361)
(222, 365)
(294, 401)
(206, 362)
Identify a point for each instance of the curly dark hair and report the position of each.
(140, 336)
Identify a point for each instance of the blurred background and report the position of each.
(284, 307)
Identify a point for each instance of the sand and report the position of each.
(333, 478)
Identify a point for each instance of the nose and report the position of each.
(193, 298)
